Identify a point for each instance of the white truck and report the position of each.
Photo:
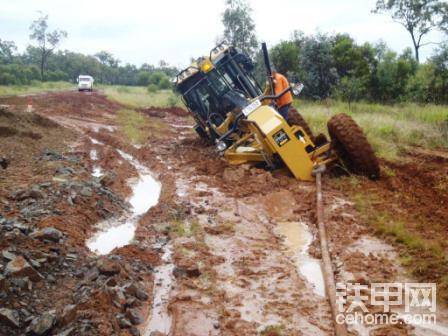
(85, 83)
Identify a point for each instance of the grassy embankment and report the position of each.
(139, 97)
(133, 124)
(35, 87)
(390, 129)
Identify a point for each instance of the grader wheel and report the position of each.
(295, 118)
(352, 146)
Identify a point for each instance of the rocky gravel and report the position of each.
(50, 284)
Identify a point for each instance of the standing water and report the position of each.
(160, 320)
(298, 239)
(120, 231)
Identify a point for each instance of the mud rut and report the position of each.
(229, 268)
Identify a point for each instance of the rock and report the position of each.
(43, 324)
(66, 332)
(92, 274)
(8, 255)
(3, 283)
(4, 162)
(123, 322)
(24, 228)
(107, 179)
(22, 194)
(71, 256)
(134, 331)
(111, 282)
(9, 317)
(19, 267)
(51, 155)
(141, 295)
(68, 315)
(117, 296)
(64, 171)
(48, 233)
(134, 316)
(133, 289)
(191, 272)
(22, 283)
(108, 267)
(86, 192)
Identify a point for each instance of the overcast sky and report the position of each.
(148, 31)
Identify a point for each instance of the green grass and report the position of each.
(388, 128)
(35, 87)
(139, 97)
(425, 259)
(131, 124)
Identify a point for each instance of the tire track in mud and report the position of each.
(256, 276)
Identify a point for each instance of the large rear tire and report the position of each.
(295, 118)
(352, 146)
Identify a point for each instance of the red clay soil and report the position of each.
(249, 195)
(163, 112)
(72, 203)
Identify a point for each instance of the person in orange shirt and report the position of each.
(280, 84)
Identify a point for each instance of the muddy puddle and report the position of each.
(120, 231)
(297, 239)
(160, 319)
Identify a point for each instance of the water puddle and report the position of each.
(97, 171)
(160, 320)
(298, 239)
(181, 126)
(120, 231)
(96, 142)
(94, 155)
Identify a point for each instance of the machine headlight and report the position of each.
(221, 146)
(206, 66)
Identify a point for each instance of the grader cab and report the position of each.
(232, 113)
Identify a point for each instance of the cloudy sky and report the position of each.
(148, 30)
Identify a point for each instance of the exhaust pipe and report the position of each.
(267, 64)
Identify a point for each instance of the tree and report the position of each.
(106, 58)
(419, 17)
(350, 89)
(239, 28)
(46, 41)
(317, 65)
(108, 66)
(7, 51)
(285, 56)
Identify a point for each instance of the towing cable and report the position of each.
(327, 268)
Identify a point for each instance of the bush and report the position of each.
(164, 83)
(156, 77)
(152, 88)
(143, 78)
(172, 101)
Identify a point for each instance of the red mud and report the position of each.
(246, 197)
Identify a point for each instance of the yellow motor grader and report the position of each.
(232, 113)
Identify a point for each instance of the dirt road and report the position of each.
(165, 238)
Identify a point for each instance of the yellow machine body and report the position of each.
(268, 134)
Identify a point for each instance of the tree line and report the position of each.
(329, 65)
(42, 62)
(336, 66)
